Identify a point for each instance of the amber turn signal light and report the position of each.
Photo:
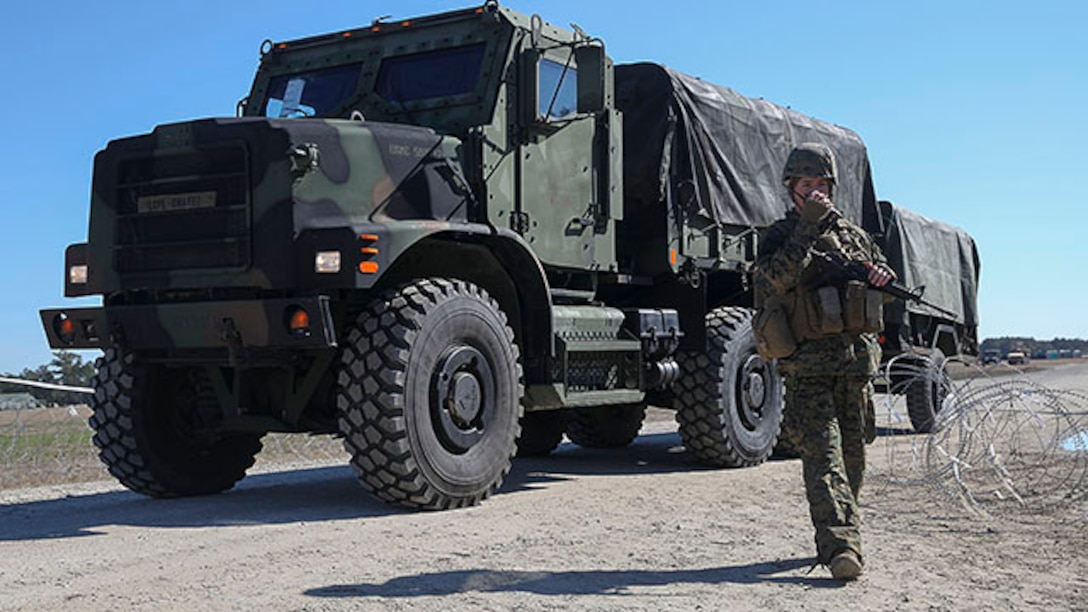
(65, 328)
(298, 321)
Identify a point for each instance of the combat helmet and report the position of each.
(811, 159)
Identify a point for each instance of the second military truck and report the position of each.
(446, 239)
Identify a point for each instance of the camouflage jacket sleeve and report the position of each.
(783, 255)
(873, 253)
(878, 254)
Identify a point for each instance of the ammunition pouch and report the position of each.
(863, 309)
(823, 312)
(827, 311)
(772, 330)
(815, 313)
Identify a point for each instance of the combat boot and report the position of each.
(846, 565)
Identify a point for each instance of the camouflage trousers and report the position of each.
(830, 419)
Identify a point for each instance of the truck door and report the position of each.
(563, 173)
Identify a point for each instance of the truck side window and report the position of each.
(558, 87)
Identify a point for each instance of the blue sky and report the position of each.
(974, 113)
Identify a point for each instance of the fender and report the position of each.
(499, 259)
(946, 340)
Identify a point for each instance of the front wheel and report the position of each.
(728, 399)
(541, 432)
(158, 431)
(428, 395)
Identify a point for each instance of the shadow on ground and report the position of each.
(307, 495)
(318, 494)
(595, 582)
(657, 453)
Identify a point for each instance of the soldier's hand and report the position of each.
(880, 275)
(817, 205)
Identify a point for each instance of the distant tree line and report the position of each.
(66, 368)
(1037, 349)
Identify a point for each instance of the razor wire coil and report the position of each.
(1000, 444)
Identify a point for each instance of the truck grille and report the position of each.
(183, 211)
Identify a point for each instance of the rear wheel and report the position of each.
(158, 431)
(728, 399)
(927, 391)
(606, 426)
(541, 432)
(429, 390)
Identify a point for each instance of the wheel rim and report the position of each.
(752, 391)
(190, 411)
(462, 398)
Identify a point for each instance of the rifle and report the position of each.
(855, 270)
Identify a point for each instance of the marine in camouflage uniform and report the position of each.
(828, 376)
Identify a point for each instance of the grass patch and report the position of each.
(47, 446)
(50, 446)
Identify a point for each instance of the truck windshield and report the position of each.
(312, 94)
(432, 74)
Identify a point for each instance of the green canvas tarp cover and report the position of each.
(939, 256)
(727, 150)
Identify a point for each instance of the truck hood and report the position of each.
(226, 197)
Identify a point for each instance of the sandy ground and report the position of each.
(641, 528)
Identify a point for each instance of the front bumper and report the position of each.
(193, 325)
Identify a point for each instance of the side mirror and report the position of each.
(529, 94)
(590, 60)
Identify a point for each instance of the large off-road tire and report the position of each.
(926, 392)
(606, 426)
(541, 432)
(156, 429)
(728, 399)
(428, 395)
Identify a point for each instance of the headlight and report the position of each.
(77, 275)
(327, 262)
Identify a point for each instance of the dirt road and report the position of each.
(637, 529)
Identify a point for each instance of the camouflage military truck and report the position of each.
(446, 239)
(918, 339)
